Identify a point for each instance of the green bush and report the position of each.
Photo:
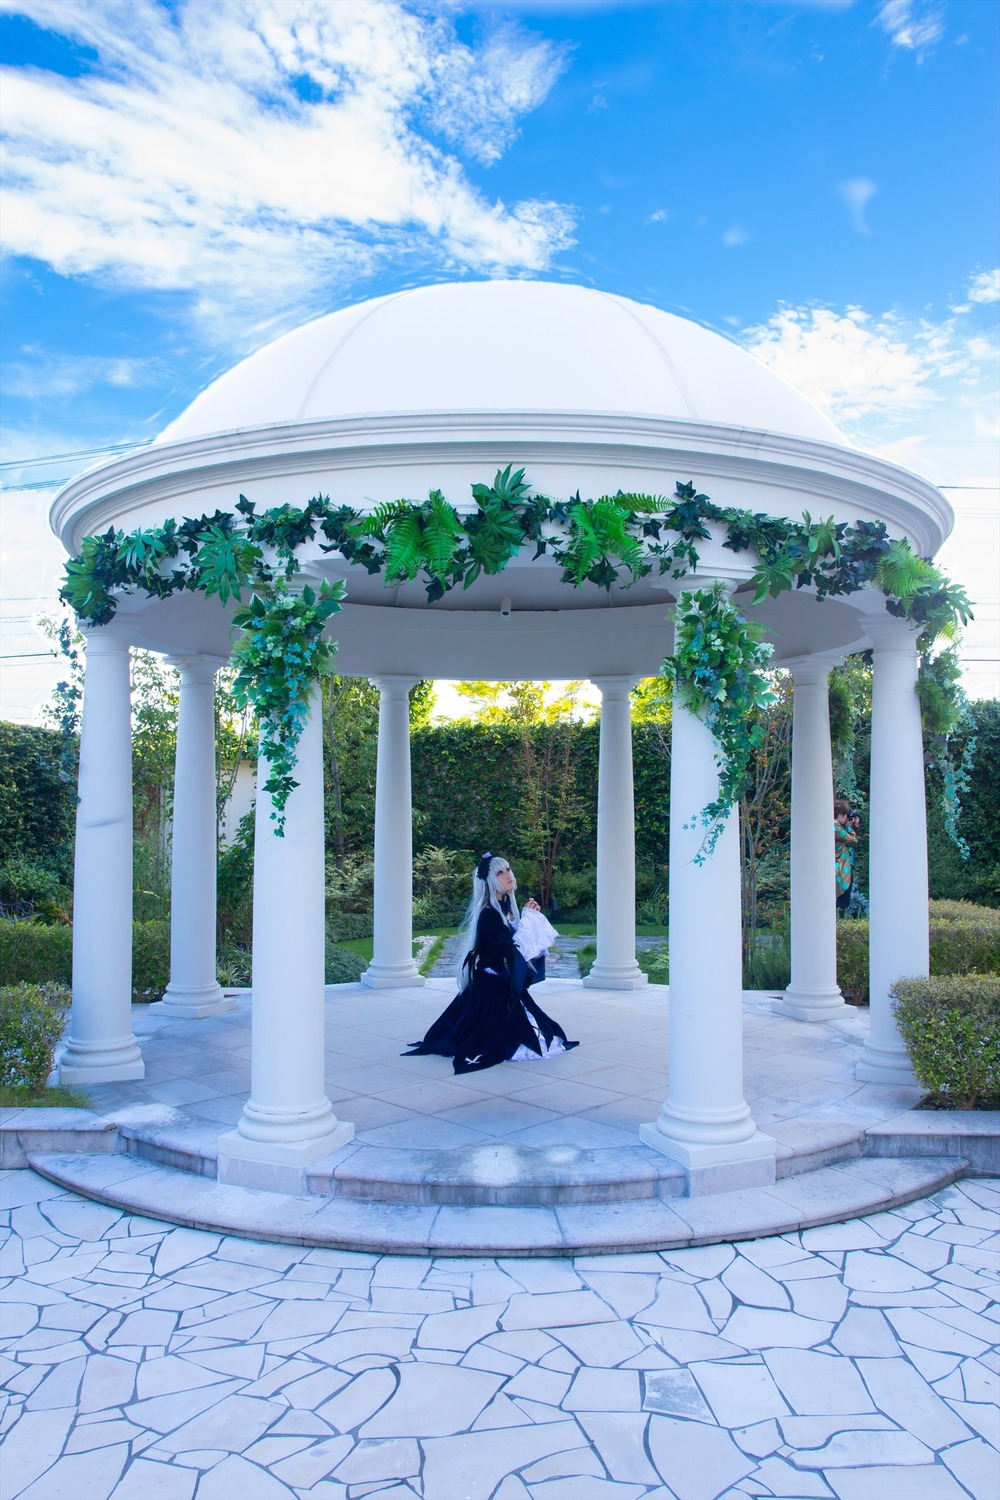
(951, 1026)
(343, 966)
(768, 965)
(958, 945)
(32, 1017)
(964, 911)
(655, 962)
(341, 926)
(24, 879)
(965, 947)
(150, 959)
(234, 968)
(852, 961)
(35, 953)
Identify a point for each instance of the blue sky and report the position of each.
(184, 181)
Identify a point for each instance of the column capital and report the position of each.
(392, 685)
(809, 669)
(103, 641)
(890, 633)
(196, 667)
(616, 687)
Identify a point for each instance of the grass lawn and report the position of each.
(20, 1096)
(363, 946)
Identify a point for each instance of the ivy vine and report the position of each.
(719, 666)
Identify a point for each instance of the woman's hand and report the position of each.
(531, 904)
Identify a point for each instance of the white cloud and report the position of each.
(263, 155)
(921, 393)
(658, 216)
(37, 375)
(734, 236)
(857, 193)
(856, 364)
(984, 287)
(914, 25)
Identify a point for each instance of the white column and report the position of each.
(288, 1120)
(705, 1123)
(615, 967)
(392, 962)
(193, 990)
(897, 860)
(101, 1047)
(813, 994)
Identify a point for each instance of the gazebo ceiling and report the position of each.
(439, 387)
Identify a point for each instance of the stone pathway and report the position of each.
(145, 1362)
(561, 963)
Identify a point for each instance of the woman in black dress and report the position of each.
(493, 1018)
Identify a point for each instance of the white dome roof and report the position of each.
(523, 346)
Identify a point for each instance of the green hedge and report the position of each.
(343, 966)
(32, 1018)
(951, 1026)
(34, 953)
(964, 939)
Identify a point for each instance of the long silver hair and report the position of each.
(485, 893)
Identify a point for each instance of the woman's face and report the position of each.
(505, 880)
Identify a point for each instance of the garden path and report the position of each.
(854, 1361)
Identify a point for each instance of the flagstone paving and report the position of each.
(141, 1361)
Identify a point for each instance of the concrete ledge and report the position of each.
(25, 1132)
(826, 1196)
(973, 1135)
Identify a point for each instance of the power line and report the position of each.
(51, 458)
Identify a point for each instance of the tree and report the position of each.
(37, 797)
(350, 734)
(552, 808)
(765, 807)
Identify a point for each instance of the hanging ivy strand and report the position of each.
(280, 655)
(719, 669)
(611, 541)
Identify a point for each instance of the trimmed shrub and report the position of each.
(852, 961)
(150, 959)
(342, 926)
(964, 911)
(951, 1026)
(35, 953)
(957, 946)
(965, 947)
(32, 1017)
(343, 966)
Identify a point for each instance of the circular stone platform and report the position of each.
(522, 1159)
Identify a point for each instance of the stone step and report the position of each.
(498, 1171)
(828, 1195)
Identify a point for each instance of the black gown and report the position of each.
(491, 1018)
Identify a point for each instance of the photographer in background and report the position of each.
(846, 825)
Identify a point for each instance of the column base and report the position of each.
(805, 1005)
(611, 978)
(885, 1065)
(724, 1167)
(276, 1166)
(101, 1062)
(392, 976)
(194, 1004)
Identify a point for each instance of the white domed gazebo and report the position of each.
(437, 389)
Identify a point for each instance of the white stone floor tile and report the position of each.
(250, 1371)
